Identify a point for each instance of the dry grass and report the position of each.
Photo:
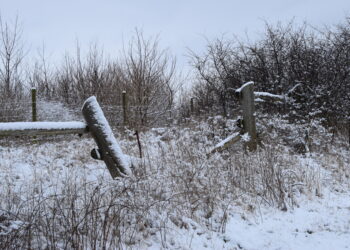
(69, 202)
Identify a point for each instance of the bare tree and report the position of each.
(11, 72)
(215, 74)
(11, 57)
(41, 76)
(149, 78)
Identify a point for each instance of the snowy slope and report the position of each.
(178, 198)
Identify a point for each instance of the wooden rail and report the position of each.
(221, 146)
(42, 128)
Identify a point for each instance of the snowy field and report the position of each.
(54, 195)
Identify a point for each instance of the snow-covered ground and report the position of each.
(322, 223)
(179, 198)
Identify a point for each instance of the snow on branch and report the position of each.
(269, 96)
(261, 96)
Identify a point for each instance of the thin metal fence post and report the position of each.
(34, 113)
(125, 108)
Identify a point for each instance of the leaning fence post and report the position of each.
(108, 147)
(246, 94)
(125, 107)
(34, 116)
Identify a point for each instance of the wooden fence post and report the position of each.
(34, 116)
(108, 146)
(246, 93)
(125, 107)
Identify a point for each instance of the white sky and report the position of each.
(180, 24)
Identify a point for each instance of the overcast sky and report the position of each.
(180, 24)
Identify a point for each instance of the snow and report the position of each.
(258, 100)
(56, 169)
(246, 137)
(243, 86)
(226, 140)
(10, 126)
(267, 94)
(316, 224)
(320, 224)
(56, 111)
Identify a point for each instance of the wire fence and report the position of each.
(136, 116)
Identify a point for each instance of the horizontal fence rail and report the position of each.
(42, 128)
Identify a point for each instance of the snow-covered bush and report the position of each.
(309, 66)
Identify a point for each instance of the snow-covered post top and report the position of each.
(100, 130)
(246, 94)
(239, 90)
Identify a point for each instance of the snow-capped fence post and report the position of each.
(108, 147)
(246, 95)
(34, 116)
(125, 107)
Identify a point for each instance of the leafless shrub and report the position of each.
(11, 54)
(148, 76)
(145, 72)
(11, 72)
(286, 56)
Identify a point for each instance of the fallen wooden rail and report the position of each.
(42, 128)
(221, 146)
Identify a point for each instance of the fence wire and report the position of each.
(21, 111)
